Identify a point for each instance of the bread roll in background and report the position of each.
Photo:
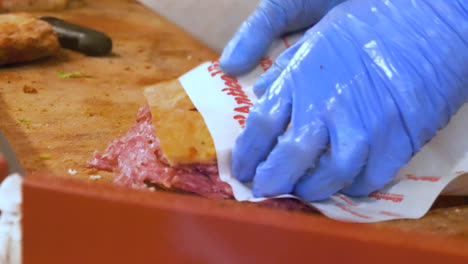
(24, 38)
(32, 5)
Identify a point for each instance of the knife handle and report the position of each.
(78, 38)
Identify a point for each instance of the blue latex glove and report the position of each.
(354, 99)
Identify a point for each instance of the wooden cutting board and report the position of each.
(68, 119)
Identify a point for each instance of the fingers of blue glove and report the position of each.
(267, 79)
(253, 38)
(338, 167)
(299, 149)
(295, 153)
(271, 19)
(267, 120)
(375, 176)
(390, 150)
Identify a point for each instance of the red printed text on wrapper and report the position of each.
(387, 213)
(351, 211)
(266, 63)
(396, 198)
(347, 200)
(233, 88)
(423, 178)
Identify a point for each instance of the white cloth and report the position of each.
(212, 21)
(10, 220)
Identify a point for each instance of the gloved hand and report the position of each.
(354, 99)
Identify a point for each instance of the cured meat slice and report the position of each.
(137, 161)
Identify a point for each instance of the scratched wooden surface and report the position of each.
(68, 119)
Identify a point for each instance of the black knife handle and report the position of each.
(82, 39)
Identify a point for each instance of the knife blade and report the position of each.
(14, 165)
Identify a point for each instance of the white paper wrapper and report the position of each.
(223, 101)
(10, 220)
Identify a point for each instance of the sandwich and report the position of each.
(170, 148)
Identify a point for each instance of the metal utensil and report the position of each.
(14, 164)
(79, 38)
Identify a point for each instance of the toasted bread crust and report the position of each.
(183, 134)
(24, 38)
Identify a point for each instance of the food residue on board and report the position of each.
(65, 75)
(44, 156)
(22, 120)
(29, 89)
(95, 177)
(25, 121)
(72, 171)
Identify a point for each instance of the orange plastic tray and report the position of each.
(70, 221)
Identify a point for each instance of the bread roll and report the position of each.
(24, 38)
